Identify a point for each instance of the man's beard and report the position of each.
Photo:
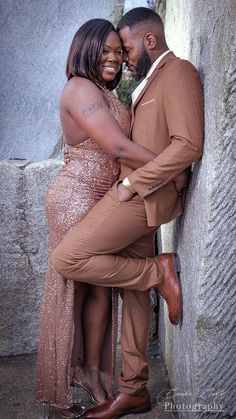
(143, 65)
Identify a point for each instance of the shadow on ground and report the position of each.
(17, 383)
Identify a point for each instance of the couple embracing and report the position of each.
(125, 176)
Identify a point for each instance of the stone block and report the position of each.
(23, 247)
(200, 356)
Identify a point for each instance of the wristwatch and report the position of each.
(126, 183)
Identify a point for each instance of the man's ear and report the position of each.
(150, 40)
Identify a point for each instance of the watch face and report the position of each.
(126, 182)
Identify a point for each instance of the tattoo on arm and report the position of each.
(87, 112)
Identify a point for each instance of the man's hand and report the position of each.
(123, 193)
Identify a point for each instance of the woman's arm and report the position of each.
(135, 164)
(86, 105)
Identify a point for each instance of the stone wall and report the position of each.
(201, 355)
(23, 251)
(35, 38)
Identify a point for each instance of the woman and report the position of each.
(77, 328)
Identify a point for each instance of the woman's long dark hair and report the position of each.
(86, 51)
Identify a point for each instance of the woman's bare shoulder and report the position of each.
(81, 86)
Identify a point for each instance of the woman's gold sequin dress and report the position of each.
(76, 189)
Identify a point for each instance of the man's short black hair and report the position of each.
(138, 15)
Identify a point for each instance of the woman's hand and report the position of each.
(66, 155)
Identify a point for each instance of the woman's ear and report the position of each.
(150, 40)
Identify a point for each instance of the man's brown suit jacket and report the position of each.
(167, 118)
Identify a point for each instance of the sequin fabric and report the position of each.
(76, 189)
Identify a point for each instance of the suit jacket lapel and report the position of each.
(167, 57)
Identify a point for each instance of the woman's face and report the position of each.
(112, 57)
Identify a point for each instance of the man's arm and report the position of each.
(183, 105)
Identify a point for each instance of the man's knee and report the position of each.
(59, 262)
(64, 262)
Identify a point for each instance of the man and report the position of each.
(107, 247)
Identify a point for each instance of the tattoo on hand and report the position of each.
(91, 109)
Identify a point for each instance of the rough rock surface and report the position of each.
(34, 44)
(201, 355)
(23, 251)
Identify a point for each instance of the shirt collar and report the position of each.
(156, 62)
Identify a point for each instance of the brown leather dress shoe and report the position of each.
(122, 405)
(170, 288)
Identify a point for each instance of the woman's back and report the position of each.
(73, 134)
(90, 172)
(77, 93)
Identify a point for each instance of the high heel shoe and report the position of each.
(73, 412)
(45, 411)
(78, 383)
